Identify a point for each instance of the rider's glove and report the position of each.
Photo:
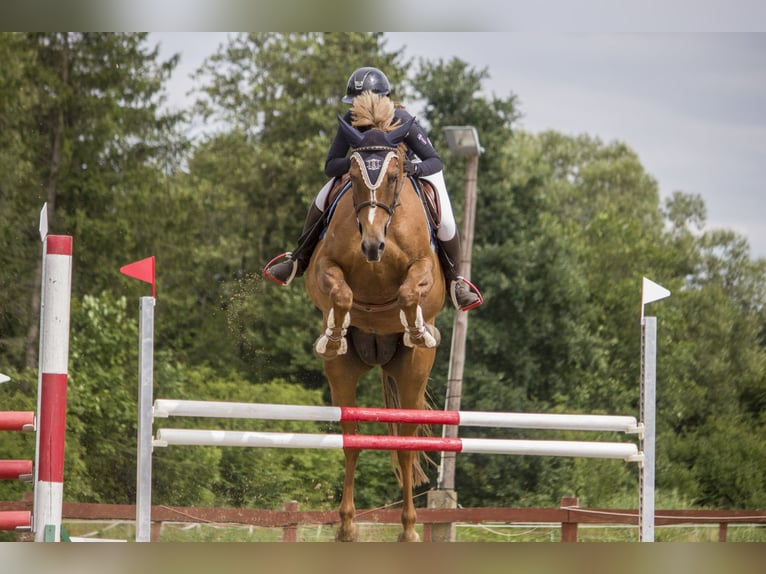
(411, 168)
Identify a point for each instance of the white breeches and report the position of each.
(448, 227)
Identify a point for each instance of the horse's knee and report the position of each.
(408, 298)
(342, 296)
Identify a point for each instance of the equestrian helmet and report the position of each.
(365, 79)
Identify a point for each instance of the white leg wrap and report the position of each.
(321, 344)
(420, 330)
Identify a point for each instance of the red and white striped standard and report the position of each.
(216, 409)
(52, 387)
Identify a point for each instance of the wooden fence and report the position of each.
(569, 515)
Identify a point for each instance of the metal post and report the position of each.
(460, 325)
(145, 419)
(648, 417)
(445, 496)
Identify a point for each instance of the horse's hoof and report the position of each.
(349, 534)
(411, 536)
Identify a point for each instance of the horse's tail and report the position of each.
(391, 396)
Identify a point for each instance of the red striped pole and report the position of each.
(17, 420)
(52, 387)
(16, 470)
(218, 409)
(15, 520)
(623, 450)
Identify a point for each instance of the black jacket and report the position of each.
(417, 142)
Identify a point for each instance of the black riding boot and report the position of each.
(296, 262)
(464, 294)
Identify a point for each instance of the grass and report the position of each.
(178, 532)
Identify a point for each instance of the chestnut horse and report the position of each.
(378, 282)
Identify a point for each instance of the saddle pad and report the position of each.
(430, 200)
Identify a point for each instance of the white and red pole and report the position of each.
(52, 387)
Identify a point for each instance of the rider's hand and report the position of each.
(411, 168)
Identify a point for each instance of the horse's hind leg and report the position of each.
(409, 371)
(409, 516)
(343, 372)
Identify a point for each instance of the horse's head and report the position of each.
(377, 177)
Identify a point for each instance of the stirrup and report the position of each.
(287, 259)
(471, 288)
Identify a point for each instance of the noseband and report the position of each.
(375, 164)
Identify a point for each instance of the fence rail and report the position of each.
(569, 515)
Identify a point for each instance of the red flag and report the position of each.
(142, 270)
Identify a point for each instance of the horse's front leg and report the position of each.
(333, 342)
(419, 281)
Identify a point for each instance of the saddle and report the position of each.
(424, 188)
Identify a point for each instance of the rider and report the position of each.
(425, 163)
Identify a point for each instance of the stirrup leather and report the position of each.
(471, 287)
(287, 256)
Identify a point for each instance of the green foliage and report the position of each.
(258, 478)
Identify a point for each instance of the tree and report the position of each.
(94, 140)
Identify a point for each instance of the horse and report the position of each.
(377, 280)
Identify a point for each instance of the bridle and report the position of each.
(381, 165)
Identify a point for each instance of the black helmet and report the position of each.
(365, 79)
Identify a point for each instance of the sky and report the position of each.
(692, 105)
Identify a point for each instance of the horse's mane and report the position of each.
(371, 110)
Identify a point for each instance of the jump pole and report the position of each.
(214, 409)
(17, 420)
(52, 383)
(620, 450)
(23, 470)
(17, 470)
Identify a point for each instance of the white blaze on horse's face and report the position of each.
(374, 163)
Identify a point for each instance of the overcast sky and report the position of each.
(692, 105)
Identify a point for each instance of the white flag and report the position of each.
(43, 227)
(653, 292)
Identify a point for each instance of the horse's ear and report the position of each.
(353, 136)
(397, 136)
